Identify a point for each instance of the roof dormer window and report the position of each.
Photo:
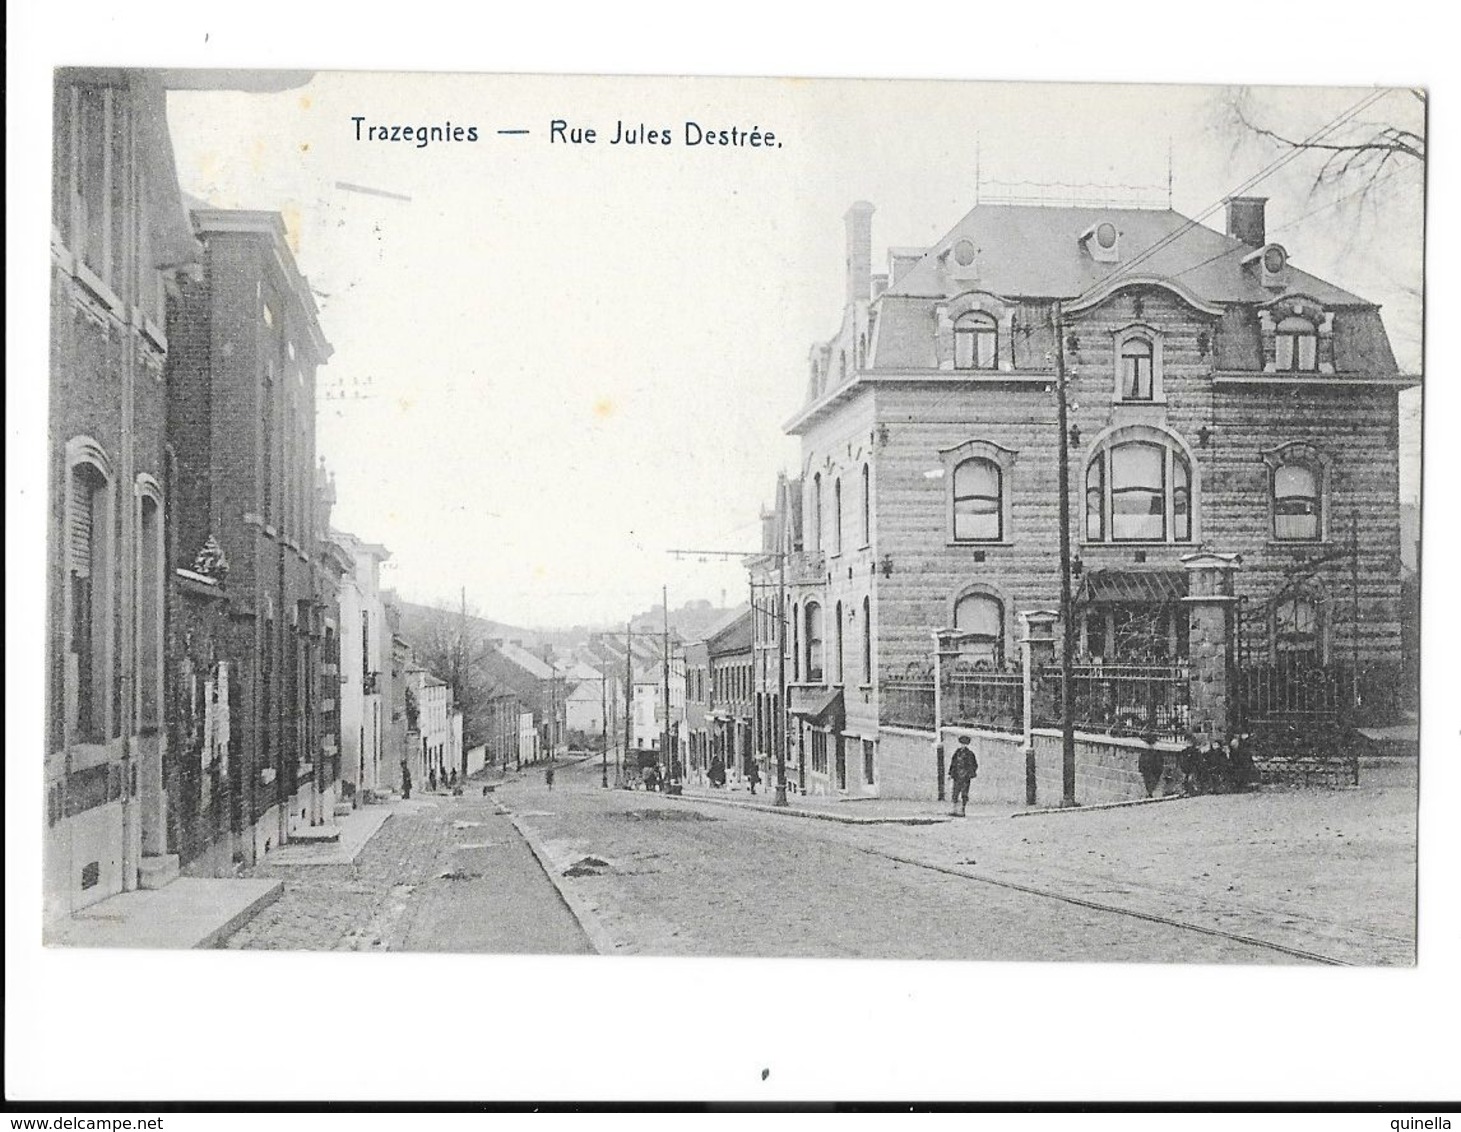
(1103, 241)
(1273, 262)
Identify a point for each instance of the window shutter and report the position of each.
(79, 526)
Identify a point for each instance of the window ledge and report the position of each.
(100, 290)
(1301, 544)
(1135, 544)
(966, 544)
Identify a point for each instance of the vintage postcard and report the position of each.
(733, 517)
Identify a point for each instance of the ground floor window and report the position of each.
(867, 761)
(819, 752)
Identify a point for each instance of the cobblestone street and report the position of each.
(1271, 877)
(442, 874)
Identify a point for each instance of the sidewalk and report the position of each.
(191, 912)
(847, 811)
(355, 831)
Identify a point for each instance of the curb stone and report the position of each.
(588, 921)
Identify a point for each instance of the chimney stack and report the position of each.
(1245, 220)
(859, 219)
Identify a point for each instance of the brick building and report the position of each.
(1221, 399)
(254, 598)
(118, 235)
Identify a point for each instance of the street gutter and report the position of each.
(588, 920)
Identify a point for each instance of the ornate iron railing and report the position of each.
(907, 701)
(986, 698)
(1119, 699)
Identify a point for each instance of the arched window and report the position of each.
(837, 516)
(976, 341)
(978, 501)
(979, 619)
(796, 648)
(1296, 346)
(87, 680)
(838, 668)
(816, 514)
(1297, 502)
(1139, 488)
(867, 640)
(867, 506)
(814, 643)
(1136, 369)
(1298, 639)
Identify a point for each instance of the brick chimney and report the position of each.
(1245, 220)
(859, 219)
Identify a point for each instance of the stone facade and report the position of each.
(1219, 400)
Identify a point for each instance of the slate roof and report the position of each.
(532, 665)
(1036, 252)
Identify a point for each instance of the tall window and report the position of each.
(1139, 491)
(976, 342)
(867, 506)
(1297, 637)
(1296, 502)
(816, 516)
(979, 618)
(149, 612)
(978, 505)
(1296, 346)
(867, 640)
(837, 516)
(1136, 370)
(88, 575)
(814, 642)
(840, 654)
(796, 648)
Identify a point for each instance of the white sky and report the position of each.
(578, 357)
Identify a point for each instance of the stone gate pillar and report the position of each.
(1210, 604)
(1037, 648)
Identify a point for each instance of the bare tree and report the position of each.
(1358, 151)
(451, 644)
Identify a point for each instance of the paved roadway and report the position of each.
(1322, 874)
(443, 874)
(695, 879)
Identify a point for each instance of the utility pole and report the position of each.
(1354, 590)
(604, 721)
(778, 725)
(628, 692)
(665, 741)
(1067, 635)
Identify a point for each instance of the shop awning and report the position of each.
(817, 705)
(1132, 587)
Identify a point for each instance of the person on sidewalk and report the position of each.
(548, 776)
(405, 780)
(431, 779)
(717, 772)
(753, 775)
(962, 769)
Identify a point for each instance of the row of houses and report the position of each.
(1232, 446)
(223, 666)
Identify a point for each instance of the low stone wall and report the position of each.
(906, 767)
(1107, 768)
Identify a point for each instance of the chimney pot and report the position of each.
(1246, 220)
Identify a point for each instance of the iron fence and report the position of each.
(993, 700)
(907, 701)
(1119, 699)
(1294, 690)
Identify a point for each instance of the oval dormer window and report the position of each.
(964, 253)
(1106, 235)
(1273, 260)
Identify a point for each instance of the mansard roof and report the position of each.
(1033, 251)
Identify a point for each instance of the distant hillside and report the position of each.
(415, 620)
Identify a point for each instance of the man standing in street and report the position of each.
(405, 779)
(962, 769)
